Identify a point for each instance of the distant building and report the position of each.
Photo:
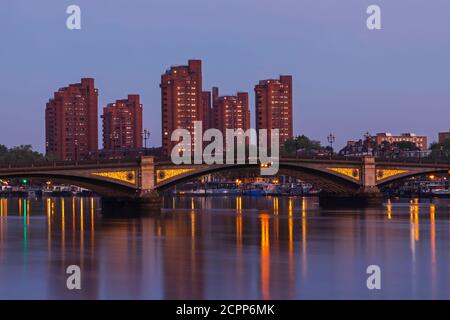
(214, 115)
(207, 110)
(122, 125)
(444, 136)
(232, 112)
(71, 122)
(181, 101)
(420, 141)
(387, 145)
(273, 107)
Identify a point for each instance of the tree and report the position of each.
(302, 143)
(19, 154)
(406, 146)
(440, 150)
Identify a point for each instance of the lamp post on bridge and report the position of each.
(368, 137)
(145, 136)
(331, 139)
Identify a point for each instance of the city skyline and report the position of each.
(390, 84)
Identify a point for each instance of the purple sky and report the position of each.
(347, 79)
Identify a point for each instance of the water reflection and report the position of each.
(265, 256)
(236, 248)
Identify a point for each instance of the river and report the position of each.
(224, 248)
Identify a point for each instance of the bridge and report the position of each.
(141, 180)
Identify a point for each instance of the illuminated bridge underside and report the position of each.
(107, 179)
(101, 186)
(328, 175)
(333, 179)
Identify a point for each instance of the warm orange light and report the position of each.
(265, 256)
(265, 165)
(389, 209)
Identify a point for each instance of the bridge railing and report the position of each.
(167, 160)
(409, 160)
(42, 164)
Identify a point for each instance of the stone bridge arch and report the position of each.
(100, 184)
(395, 175)
(340, 178)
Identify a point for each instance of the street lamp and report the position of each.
(368, 137)
(145, 136)
(331, 139)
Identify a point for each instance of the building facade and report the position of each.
(420, 141)
(181, 101)
(214, 116)
(71, 122)
(273, 107)
(387, 145)
(122, 125)
(233, 113)
(207, 110)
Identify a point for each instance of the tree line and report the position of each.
(304, 145)
(21, 154)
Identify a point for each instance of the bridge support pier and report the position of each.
(362, 198)
(144, 203)
(367, 196)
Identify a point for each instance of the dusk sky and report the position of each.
(347, 79)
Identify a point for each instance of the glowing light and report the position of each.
(239, 231)
(433, 233)
(415, 209)
(303, 207)
(81, 215)
(166, 174)
(63, 227)
(92, 214)
(384, 174)
(124, 176)
(389, 209)
(265, 165)
(291, 207)
(352, 173)
(265, 256)
(239, 205)
(193, 226)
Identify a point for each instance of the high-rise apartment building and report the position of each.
(122, 125)
(214, 119)
(71, 122)
(181, 101)
(233, 113)
(207, 110)
(273, 107)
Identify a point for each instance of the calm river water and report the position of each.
(224, 248)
